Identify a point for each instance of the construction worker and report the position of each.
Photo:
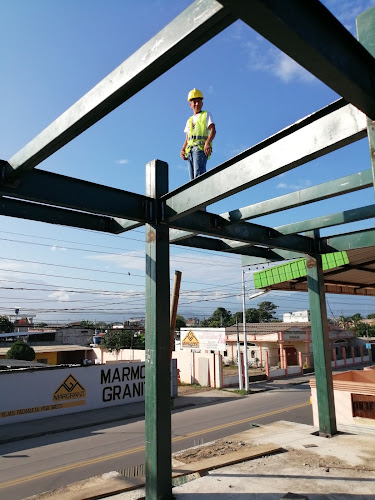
(200, 131)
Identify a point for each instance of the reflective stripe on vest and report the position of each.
(200, 132)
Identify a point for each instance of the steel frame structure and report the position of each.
(313, 37)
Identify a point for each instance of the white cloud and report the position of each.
(267, 58)
(287, 69)
(54, 248)
(130, 260)
(60, 296)
(122, 161)
(302, 185)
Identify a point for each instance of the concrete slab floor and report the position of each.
(318, 468)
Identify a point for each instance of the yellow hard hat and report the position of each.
(194, 94)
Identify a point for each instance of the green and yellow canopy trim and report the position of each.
(296, 269)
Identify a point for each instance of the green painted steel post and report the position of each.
(158, 373)
(365, 33)
(320, 341)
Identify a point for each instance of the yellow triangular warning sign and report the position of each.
(190, 340)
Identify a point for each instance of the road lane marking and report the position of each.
(59, 470)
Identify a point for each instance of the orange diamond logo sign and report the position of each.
(190, 340)
(69, 389)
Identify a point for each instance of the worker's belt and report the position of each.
(197, 137)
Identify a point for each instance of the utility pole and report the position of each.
(240, 384)
(174, 306)
(246, 368)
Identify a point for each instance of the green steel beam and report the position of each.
(276, 254)
(200, 22)
(227, 246)
(344, 185)
(213, 225)
(321, 345)
(348, 241)
(320, 192)
(365, 32)
(313, 37)
(157, 334)
(253, 260)
(59, 190)
(326, 130)
(353, 215)
(52, 215)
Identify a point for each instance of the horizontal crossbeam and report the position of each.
(330, 189)
(61, 216)
(213, 225)
(223, 245)
(344, 185)
(346, 217)
(200, 22)
(348, 241)
(62, 191)
(312, 36)
(220, 245)
(326, 130)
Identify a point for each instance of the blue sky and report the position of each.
(52, 54)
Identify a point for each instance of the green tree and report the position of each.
(266, 311)
(20, 350)
(6, 326)
(371, 316)
(88, 324)
(237, 317)
(180, 322)
(122, 339)
(221, 317)
(252, 315)
(364, 330)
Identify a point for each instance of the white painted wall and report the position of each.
(188, 364)
(35, 394)
(103, 356)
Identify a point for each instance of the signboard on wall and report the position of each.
(294, 336)
(203, 339)
(69, 390)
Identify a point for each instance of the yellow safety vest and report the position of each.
(199, 135)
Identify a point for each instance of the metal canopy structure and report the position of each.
(357, 277)
(308, 33)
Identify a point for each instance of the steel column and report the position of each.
(365, 32)
(320, 342)
(158, 373)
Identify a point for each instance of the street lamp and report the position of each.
(245, 360)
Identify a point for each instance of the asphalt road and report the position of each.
(41, 464)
